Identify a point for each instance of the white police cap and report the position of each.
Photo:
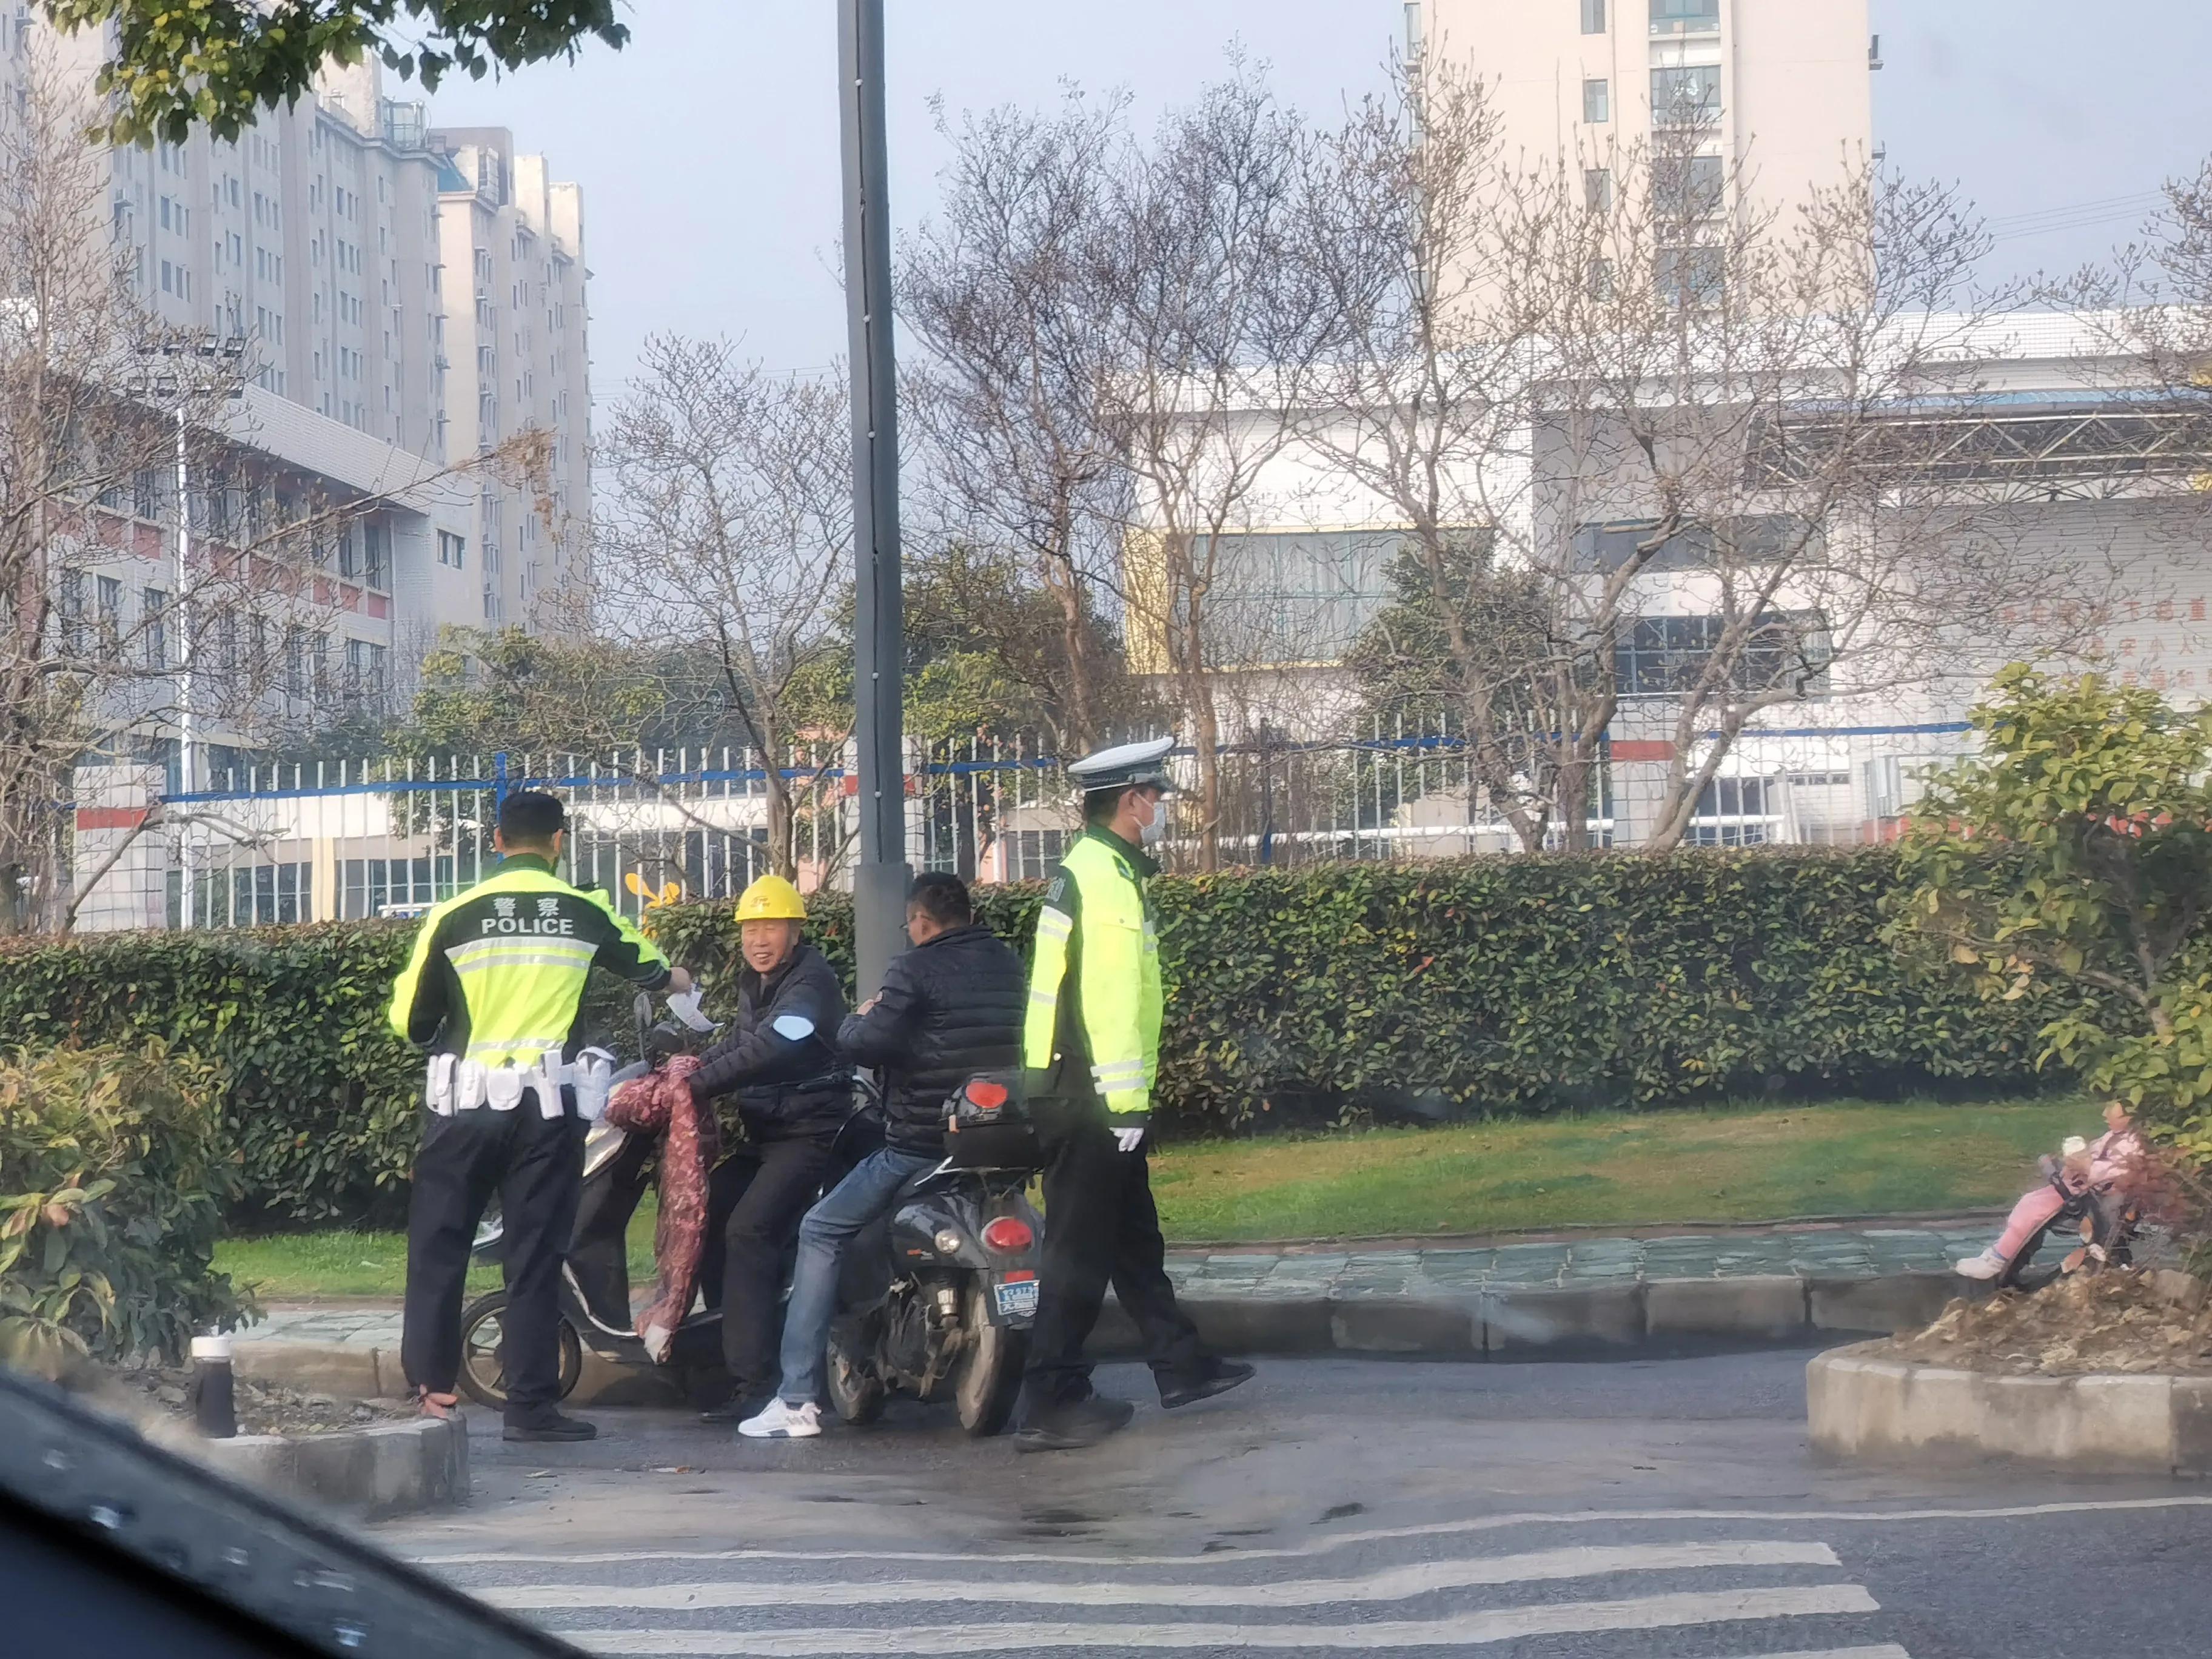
(1128, 766)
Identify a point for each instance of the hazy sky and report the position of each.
(707, 150)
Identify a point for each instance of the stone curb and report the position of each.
(1416, 1318)
(393, 1468)
(1599, 1320)
(341, 1370)
(1859, 1405)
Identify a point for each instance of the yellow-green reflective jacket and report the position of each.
(1095, 1001)
(497, 972)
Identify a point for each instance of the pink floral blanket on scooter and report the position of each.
(659, 1104)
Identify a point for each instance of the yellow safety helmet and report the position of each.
(771, 899)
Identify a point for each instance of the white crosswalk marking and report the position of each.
(1395, 1584)
(1429, 1588)
(441, 1562)
(1491, 1624)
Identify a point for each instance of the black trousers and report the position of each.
(764, 1189)
(1100, 1228)
(536, 1165)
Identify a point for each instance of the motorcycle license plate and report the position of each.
(1016, 1299)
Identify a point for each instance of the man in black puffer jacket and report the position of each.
(950, 1007)
(794, 1092)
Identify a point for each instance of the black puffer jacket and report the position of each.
(950, 1007)
(791, 1082)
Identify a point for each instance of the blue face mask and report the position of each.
(1152, 834)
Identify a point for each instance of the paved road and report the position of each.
(1662, 1511)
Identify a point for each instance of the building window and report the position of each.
(70, 604)
(1686, 96)
(364, 669)
(1686, 17)
(1298, 596)
(1601, 279)
(1687, 276)
(108, 592)
(376, 553)
(1667, 656)
(1687, 186)
(1737, 812)
(1031, 853)
(157, 629)
(453, 550)
(1594, 17)
(1754, 539)
(1597, 189)
(1597, 102)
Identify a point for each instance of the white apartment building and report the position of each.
(512, 241)
(1779, 87)
(345, 242)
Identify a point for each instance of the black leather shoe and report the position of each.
(553, 1428)
(1072, 1427)
(1218, 1378)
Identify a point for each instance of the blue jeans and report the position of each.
(846, 1208)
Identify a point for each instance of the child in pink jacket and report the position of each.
(2084, 1169)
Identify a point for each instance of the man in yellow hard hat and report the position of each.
(794, 1095)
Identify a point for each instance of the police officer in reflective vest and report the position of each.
(1091, 1044)
(491, 989)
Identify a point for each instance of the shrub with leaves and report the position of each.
(320, 1098)
(1299, 998)
(2077, 849)
(112, 1179)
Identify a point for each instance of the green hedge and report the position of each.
(1502, 986)
(113, 1172)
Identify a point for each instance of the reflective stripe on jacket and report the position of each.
(497, 973)
(1093, 1020)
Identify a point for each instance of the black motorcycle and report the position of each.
(936, 1299)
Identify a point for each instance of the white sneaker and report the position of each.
(778, 1421)
(1988, 1264)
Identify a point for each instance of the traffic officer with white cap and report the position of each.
(1091, 1045)
(491, 988)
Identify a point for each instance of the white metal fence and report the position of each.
(344, 840)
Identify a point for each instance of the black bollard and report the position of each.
(214, 1403)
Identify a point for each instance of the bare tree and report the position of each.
(1216, 338)
(729, 528)
(1002, 293)
(1662, 446)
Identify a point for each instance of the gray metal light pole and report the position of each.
(879, 883)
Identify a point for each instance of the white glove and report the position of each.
(1127, 1140)
(684, 1005)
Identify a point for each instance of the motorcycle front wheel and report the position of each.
(988, 1380)
(484, 1367)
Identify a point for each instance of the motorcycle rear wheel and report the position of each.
(484, 1371)
(856, 1393)
(987, 1380)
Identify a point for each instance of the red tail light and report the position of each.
(987, 1095)
(1008, 1234)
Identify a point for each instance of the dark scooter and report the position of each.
(937, 1297)
(596, 1316)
